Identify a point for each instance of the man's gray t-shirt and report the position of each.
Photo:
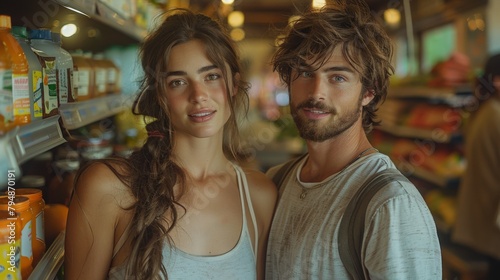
(400, 239)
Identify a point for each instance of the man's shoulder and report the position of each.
(272, 171)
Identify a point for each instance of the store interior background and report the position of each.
(441, 45)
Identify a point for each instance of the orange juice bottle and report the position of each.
(21, 206)
(20, 69)
(10, 246)
(35, 72)
(6, 114)
(37, 222)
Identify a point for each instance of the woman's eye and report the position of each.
(212, 77)
(176, 83)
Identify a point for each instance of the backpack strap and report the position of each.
(352, 225)
(282, 173)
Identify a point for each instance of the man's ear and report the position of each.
(368, 96)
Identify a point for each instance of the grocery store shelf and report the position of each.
(454, 97)
(99, 12)
(30, 140)
(436, 179)
(436, 135)
(26, 142)
(51, 262)
(99, 27)
(78, 114)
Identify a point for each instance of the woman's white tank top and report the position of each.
(238, 263)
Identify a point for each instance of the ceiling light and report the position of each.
(228, 2)
(237, 34)
(69, 30)
(236, 18)
(317, 4)
(392, 17)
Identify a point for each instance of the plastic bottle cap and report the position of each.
(5, 21)
(20, 31)
(32, 181)
(56, 37)
(41, 34)
(68, 164)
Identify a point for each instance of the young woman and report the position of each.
(180, 207)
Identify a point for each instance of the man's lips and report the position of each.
(315, 113)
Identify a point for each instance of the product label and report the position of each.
(49, 97)
(6, 79)
(6, 105)
(40, 229)
(26, 248)
(65, 85)
(6, 114)
(10, 260)
(100, 80)
(112, 75)
(72, 88)
(83, 82)
(21, 97)
(37, 93)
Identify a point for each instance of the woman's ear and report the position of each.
(368, 96)
(496, 83)
(236, 82)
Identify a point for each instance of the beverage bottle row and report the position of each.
(37, 75)
(22, 239)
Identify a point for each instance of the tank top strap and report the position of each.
(121, 240)
(245, 196)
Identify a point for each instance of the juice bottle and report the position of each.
(112, 73)
(20, 84)
(37, 221)
(83, 76)
(10, 246)
(35, 82)
(22, 207)
(100, 76)
(6, 114)
(39, 40)
(65, 71)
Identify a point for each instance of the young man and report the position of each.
(336, 64)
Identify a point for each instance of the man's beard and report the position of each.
(316, 130)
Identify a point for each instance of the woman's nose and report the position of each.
(198, 93)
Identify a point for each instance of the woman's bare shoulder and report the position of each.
(100, 180)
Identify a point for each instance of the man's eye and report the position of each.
(306, 74)
(338, 79)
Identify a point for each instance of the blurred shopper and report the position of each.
(478, 216)
(180, 206)
(336, 64)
